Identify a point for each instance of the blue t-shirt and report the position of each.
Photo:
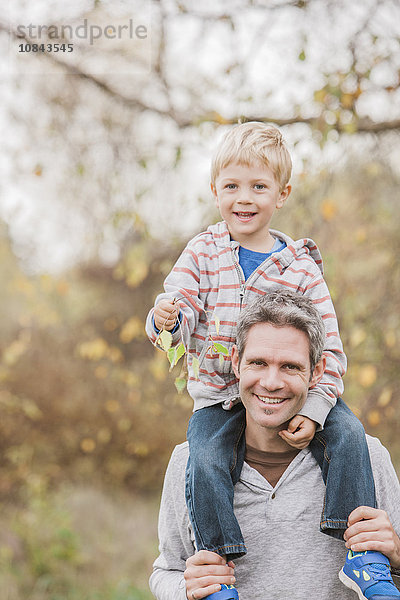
(250, 260)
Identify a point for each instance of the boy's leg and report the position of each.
(216, 444)
(341, 451)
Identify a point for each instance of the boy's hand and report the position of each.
(300, 432)
(370, 529)
(165, 314)
(204, 573)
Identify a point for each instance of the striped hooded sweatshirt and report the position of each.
(210, 286)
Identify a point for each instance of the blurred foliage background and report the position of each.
(104, 177)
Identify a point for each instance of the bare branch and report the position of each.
(185, 120)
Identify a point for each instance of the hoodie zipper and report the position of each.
(241, 281)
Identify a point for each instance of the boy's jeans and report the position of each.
(217, 449)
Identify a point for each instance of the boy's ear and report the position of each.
(319, 370)
(284, 196)
(214, 193)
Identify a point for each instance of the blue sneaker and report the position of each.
(227, 592)
(368, 574)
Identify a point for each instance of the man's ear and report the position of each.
(283, 196)
(319, 370)
(235, 361)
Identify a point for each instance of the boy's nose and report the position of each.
(244, 198)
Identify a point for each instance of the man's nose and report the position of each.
(271, 379)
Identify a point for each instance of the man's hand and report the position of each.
(300, 432)
(165, 314)
(370, 529)
(204, 573)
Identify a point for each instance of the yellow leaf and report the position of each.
(101, 372)
(94, 350)
(165, 340)
(180, 384)
(124, 424)
(385, 397)
(390, 338)
(320, 95)
(103, 435)
(328, 209)
(196, 367)
(87, 445)
(367, 375)
(112, 406)
(374, 418)
(217, 322)
(133, 328)
(361, 235)
(347, 100)
(358, 335)
(115, 354)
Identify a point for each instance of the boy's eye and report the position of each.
(231, 186)
(260, 186)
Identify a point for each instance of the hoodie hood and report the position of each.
(294, 249)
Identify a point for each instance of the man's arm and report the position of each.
(387, 489)
(175, 541)
(370, 529)
(204, 573)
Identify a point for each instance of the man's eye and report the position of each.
(290, 367)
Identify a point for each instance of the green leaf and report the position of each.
(221, 349)
(180, 384)
(221, 360)
(180, 351)
(165, 340)
(196, 367)
(302, 55)
(171, 354)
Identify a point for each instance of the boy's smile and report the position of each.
(247, 197)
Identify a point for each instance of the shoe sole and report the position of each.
(345, 579)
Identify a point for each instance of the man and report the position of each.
(280, 493)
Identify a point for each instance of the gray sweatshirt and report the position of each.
(288, 557)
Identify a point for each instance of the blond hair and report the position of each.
(250, 142)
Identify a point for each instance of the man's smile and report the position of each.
(269, 400)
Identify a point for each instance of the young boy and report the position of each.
(220, 271)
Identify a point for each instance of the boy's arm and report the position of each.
(183, 285)
(167, 580)
(323, 396)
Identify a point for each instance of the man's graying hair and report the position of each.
(284, 309)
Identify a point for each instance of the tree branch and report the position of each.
(185, 120)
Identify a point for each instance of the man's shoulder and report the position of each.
(375, 446)
(181, 451)
(179, 457)
(174, 481)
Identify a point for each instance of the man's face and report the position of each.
(274, 375)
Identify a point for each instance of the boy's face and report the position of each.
(247, 197)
